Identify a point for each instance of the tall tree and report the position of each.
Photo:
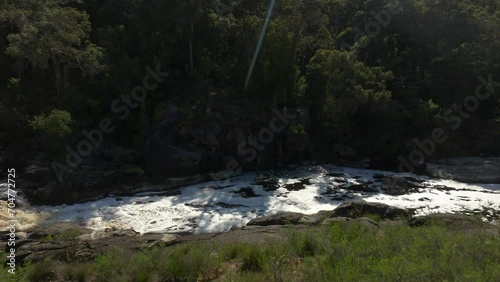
(48, 35)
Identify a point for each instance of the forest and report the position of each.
(164, 81)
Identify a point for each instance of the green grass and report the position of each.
(340, 252)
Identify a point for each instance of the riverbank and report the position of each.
(364, 245)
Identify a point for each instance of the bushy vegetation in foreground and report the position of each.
(353, 252)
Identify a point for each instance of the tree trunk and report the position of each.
(57, 73)
(65, 77)
(191, 60)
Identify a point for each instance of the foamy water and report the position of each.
(216, 207)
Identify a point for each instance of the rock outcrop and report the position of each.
(104, 173)
(398, 185)
(349, 210)
(468, 170)
(357, 209)
(212, 139)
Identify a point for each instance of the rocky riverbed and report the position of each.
(220, 206)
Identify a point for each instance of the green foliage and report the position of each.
(80, 272)
(57, 123)
(40, 271)
(341, 84)
(252, 259)
(373, 216)
(48, 35)
(347, 93)
(47, 238)
(190, 263)
(53, 129)
(393, 87)
(70, 233)
(304, 245)
(297, 129)
(14, 83)
(47, 30)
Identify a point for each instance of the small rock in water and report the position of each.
(246, 192)
(361, 188)
(299, 185)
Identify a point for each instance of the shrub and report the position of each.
(304, 245)
(52, 128)
(57, 123)
(112, 265)
(189, 262)
(41, 271)
(252, 258)
(80, 272)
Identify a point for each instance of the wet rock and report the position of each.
(361, 188)
(298, 185)
(393, 213)
(283, 218)
(228, 206)
(247, 192)
(358, 209)
(267, 182)
(397, 185)
(313, 219)
(468, 170)
(198, 205)
(336, 174)
(57, 229)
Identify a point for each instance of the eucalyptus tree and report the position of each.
(49, 35)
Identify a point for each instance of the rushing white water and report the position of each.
(216, 207)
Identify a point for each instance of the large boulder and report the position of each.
(102, 173)
(358, 209)
(164, 159)
(397, 185)
(469, 170)
(211, 137)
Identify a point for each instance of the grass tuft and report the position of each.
(340, 252)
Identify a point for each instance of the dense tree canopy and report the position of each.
(374, 74)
